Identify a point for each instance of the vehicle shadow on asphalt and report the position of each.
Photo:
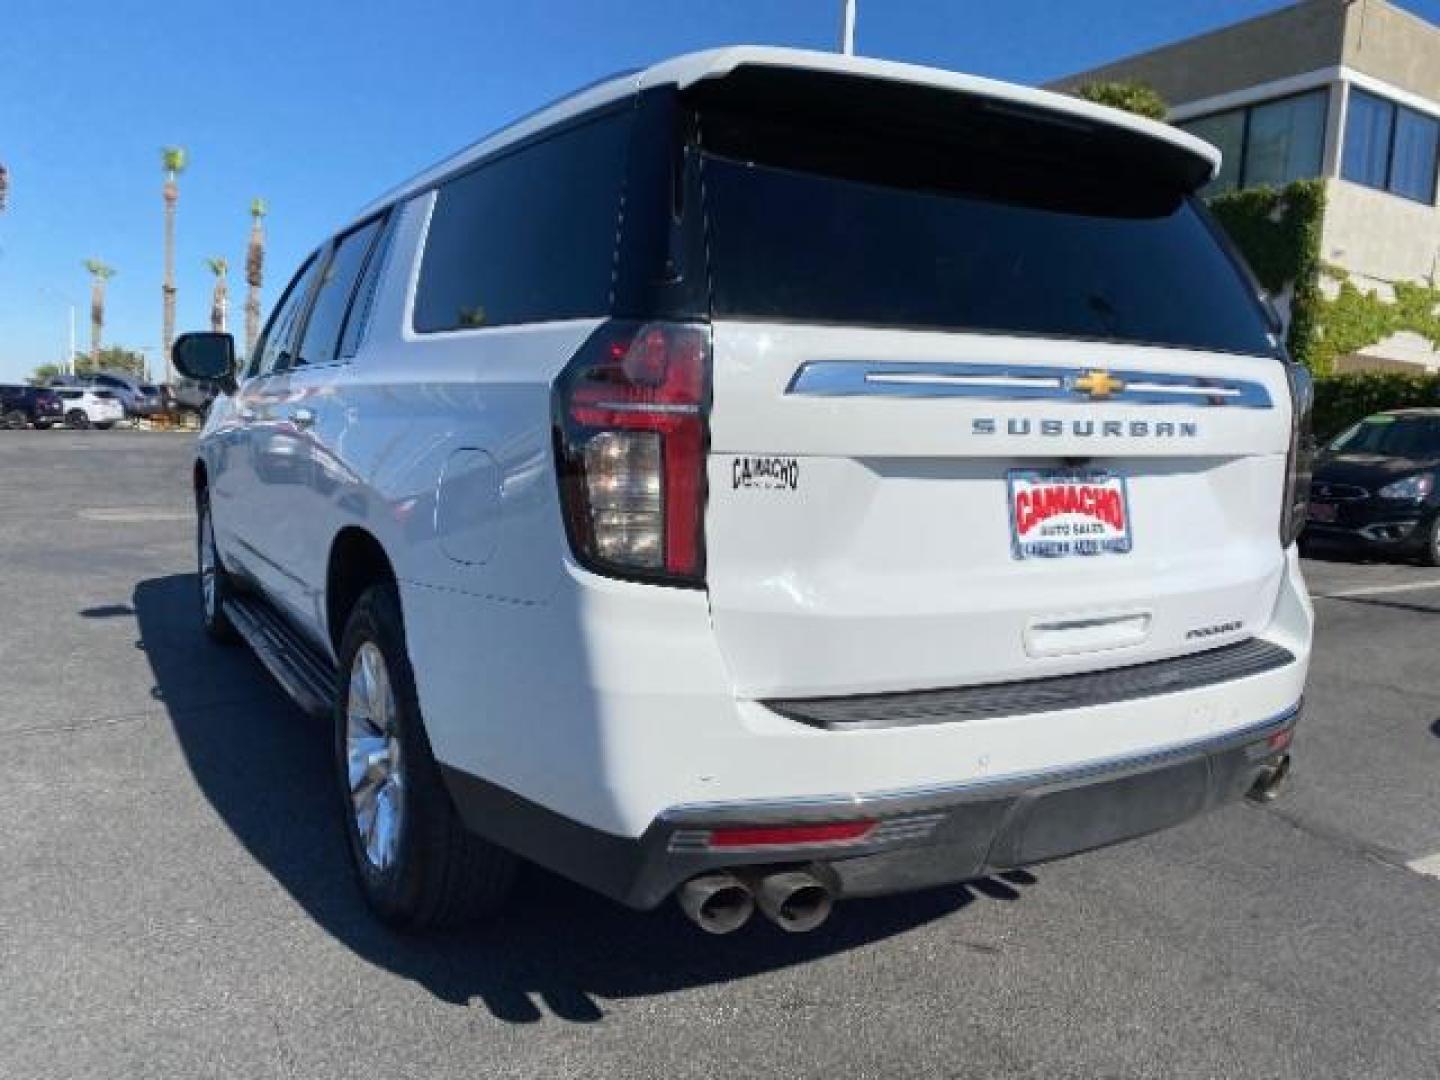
(264, 766)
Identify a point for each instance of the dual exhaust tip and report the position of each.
(1267, 785)
(797, 901)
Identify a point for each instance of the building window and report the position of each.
(1284, 140)
(1390, 147)
(1226, 131)
(1271, 143)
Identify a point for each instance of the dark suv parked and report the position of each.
(23, 405)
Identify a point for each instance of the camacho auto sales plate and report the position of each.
(1056, 513)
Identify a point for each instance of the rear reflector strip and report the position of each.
(790, 835)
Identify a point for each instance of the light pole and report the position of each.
(847, 27)
(67, 362)
(145, 351)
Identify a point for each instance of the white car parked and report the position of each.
(768, 478)
(88, 407)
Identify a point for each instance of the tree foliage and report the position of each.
(111, 358)
(115, 358)
(1135, 97)
(173, 160)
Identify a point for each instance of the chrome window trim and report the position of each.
(1000, 382)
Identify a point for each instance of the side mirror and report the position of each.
(209, 356)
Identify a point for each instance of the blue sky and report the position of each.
(318, 105)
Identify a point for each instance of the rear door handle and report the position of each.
(303, 418)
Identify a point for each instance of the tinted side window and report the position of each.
(358, 317)
(274, 346)
(528, 237)
(332, 295)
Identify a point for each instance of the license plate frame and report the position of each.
(1095, 520)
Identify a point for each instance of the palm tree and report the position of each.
(220, 299)
(254, 273)
(99, 275)
(172, 160)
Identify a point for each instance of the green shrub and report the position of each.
(1278, 232)
(1135, 97)
(1340, 400)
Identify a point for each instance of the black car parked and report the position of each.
(21, 406)
(1374, 488)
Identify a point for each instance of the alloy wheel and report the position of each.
(373, 757)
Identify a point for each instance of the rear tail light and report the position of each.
(630, 441)
(1299, 462)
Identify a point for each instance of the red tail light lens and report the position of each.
(1299, 463)
(838, 832)
(630, 434)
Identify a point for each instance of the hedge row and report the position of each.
(1340, 400)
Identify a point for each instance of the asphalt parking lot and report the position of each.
(173, 900)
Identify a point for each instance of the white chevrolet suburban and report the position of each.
(768, 478)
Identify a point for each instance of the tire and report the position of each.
(215, 585)
(105, 425)
(76, 420)
(417, 866)
(15, 420)
(46, 426)
(1430, 555)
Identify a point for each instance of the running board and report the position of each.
(302, 670)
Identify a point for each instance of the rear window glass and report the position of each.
(893, 230)
(527, 237)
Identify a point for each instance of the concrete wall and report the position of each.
(1380, 239)
(1394, 45)
(1304, 37)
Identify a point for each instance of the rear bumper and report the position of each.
(921, 838)
(1391, 533)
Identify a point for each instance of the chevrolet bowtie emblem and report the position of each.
(1097, 384)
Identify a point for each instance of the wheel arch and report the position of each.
(357, 560)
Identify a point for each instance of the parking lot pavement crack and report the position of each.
(109, 720)
(1338, 838)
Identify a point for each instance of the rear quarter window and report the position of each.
(529, 236)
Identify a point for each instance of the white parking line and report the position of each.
(1377, 590)
(1429, 865)
(134, 515)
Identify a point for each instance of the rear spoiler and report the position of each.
(781, 80)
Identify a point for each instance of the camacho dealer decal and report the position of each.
(766, 473)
